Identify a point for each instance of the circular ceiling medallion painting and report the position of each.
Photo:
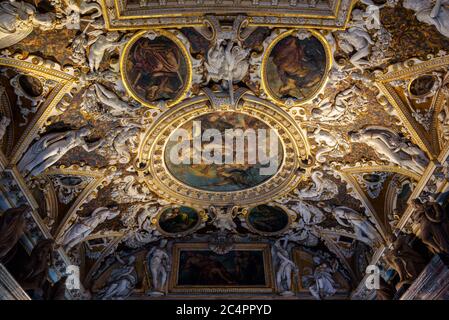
(234, 163)
(295, 67)
(155, 68)
(178, 220)
(267, 219)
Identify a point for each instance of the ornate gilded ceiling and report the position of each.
(92, 94)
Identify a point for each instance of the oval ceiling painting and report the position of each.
(155, 68)
(223, 151)
(178, 220)
(267, 219)
(296, 67)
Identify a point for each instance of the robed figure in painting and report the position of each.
(157, 65)
(297, 67)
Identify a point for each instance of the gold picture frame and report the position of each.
(266, 56)
(201, 214)
(185, 54)
(174, 285)
(288, 213)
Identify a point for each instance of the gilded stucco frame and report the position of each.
(202, 217)
(269, 287)
(409, 70)
(123, 59)
(290, 216)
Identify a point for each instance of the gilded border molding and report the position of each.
(335, 17)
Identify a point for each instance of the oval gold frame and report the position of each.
(181, 95)
(264, 82)
(156, 220)
(150, 162)
(268, 234)
(425, 95)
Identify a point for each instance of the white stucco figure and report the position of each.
(4, 123)
(79, 46)
(121, 282)
(322, 284)
(17, 20)
(223, 219)
(372, 16)
(358, 40)
(110, 99)
(435, 13)
(227, 62)
(363, 228)
(321, 188)
(125, 142)
(391, 147)
(99, 45)
(52, 147)
(330, 144)
(308, 213)
(84, 226)
(83, 7)
(144, 217)
(328, 110)
(159, 265)
(285, 268)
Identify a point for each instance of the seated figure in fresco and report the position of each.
(158, 70)
(294, 67)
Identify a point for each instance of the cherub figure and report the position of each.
(100, 45)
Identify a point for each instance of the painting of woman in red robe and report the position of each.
(156, 69)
